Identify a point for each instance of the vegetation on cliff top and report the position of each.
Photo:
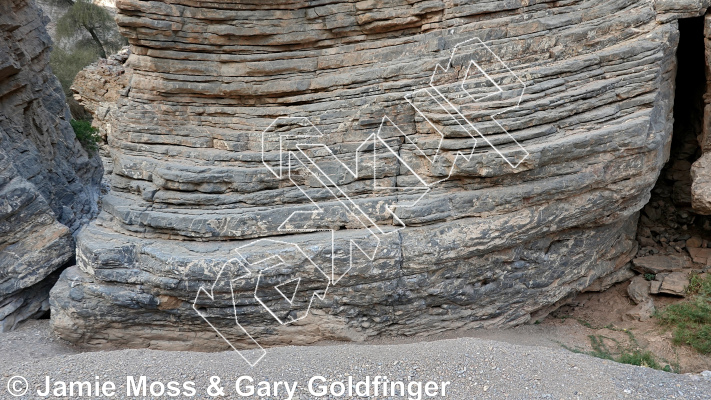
(85, 32)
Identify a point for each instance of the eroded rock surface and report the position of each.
(491, 245)
(98, 88)
(48, 183)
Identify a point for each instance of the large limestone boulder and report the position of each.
(48, 183)
(208, 191)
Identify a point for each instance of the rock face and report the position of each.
(701, 169)
(701, 186)
(201, 171)
(98, 88)
(48, 183)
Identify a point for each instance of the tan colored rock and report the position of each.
(675, 284)
(98, 88)
(694, 242)
(654, 286)
(700, 255)
(168, 302)
(701, 186)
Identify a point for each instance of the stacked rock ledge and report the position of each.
(491, 246)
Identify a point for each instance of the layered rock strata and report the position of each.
(198, 167)
(48, 183)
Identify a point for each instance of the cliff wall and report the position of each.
(49, 185)
(519, 212)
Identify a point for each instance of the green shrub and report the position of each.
(697, 285)
(626, 354)
(87, 135)
(691, 319)
(642, 358)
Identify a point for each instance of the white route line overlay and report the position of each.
(293, 159)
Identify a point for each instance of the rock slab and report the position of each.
(48, 183)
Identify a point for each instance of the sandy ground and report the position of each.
(523, 363)
(527, 362)
(593, 313)
(475, 368)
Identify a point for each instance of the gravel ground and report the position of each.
(476, 368)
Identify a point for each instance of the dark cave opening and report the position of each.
(44, 311)
(668, 222)
(688, 109)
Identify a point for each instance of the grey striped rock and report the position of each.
(48, 183)
(490, 246)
